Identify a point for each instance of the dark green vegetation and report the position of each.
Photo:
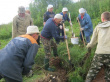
(94, 8)
(38, 7)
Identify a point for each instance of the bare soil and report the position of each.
(100, 76)
(59, 75)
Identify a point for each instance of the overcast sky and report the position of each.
(9, 8)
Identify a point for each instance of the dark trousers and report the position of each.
(9, 79)
(38, 40)
(87, 37)
(60, 33)
(1, 77)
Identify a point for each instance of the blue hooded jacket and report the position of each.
(17, 58)
(86, 24)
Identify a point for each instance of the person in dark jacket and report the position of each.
(47, 34)
(49, 13)
(17, 58)
(65, 18)
(86, 24)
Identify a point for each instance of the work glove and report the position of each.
(30, 74)
(81, 29)
(62, 22)
(77, 18)
(61, 27)
(71, 24)
(65, 36)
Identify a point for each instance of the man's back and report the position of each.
(13, 58)
(49, 28)
(103, 31)
(101, 36)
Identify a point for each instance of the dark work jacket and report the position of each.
(50, 30)
(65, 17)
(48, 15)
(17, 57)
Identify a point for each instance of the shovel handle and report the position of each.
(71, 26)
(66, 43)
(81, 33)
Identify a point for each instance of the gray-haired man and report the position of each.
(48, 33)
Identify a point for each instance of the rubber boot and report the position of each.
(55, 55)
(55, 52)
(46, 63)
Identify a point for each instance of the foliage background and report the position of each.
(38, 8)
(94, 8)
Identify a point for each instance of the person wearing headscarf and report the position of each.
(60, 29)
(48, 14)
(86, 24)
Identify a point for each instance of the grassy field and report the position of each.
(77, 53)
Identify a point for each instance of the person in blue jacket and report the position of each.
(17, 58)
(86, 24)
(65, 18)
(47, 34)
(49, 13)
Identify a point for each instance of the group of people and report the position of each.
(17, 58)
(53, 28)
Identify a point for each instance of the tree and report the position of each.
(38, 8)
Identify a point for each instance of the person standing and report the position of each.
(101, 37)
(47, 34)
(21, 22)
(48, 14)
(17, 58)
(65, 15)
(86, 24)
(28, 12)
(65, 18)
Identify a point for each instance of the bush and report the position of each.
(6, 31)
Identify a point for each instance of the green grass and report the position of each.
(77, 53)
(4, 42)
(5, 31)
(37, 75)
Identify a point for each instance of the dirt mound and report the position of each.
(56, 62)
(100, 76)
(55, 77)
(58, 76)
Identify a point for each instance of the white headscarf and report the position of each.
(32, 29)
(49, 6)
(82, 10)
(64, 9)
(58, 16)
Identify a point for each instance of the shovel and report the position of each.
(81, 33)
(69, 58)
(73, 35)
(85, 57)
